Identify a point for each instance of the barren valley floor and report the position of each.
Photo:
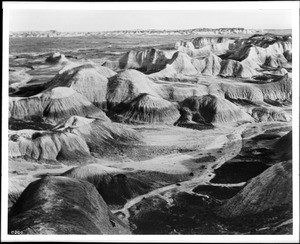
(139, 135)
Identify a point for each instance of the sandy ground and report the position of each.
(187, 149)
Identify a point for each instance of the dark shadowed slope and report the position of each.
(115, 186)
(272, 188)
(61, 205)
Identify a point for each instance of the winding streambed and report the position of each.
(231, 146)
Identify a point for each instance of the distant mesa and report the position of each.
(61, 205)
(194, 31)
(149, 109)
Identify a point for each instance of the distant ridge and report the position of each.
(194, 31)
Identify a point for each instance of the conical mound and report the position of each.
(179, 64)
(102, 70)
(272, 188)
(215, 110)
(62, 103)
(115, 187)
(129, 84)
(149, 109)
(61, 205)
(84, 79)
(57, 58)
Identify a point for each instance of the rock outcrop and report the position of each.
(266, 114)
(233, 68)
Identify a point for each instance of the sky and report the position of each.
(108, 20)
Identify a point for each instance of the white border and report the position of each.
(294, 6)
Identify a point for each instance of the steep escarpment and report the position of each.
(149, 60)
(233, 68)
(61, 205)
(209, 65)
(280, 90)
(269, 50)
(202, 46)
(270, 189)
(25, 108)
(214, 109)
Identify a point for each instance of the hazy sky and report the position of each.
(97, 20)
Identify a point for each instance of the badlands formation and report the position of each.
(193, 138)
